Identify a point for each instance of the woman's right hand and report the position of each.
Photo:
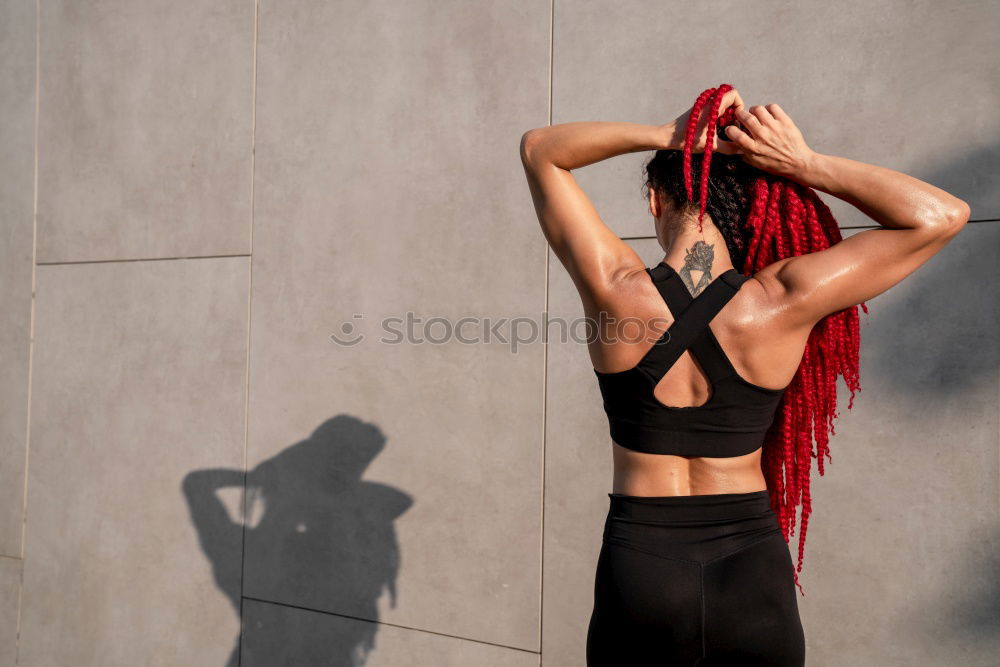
(769, 140)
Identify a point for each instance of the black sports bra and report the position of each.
(733, 421)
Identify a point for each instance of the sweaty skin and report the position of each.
(765, 327)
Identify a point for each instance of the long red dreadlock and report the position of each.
(787, 219)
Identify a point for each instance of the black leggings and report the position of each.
(694, 580)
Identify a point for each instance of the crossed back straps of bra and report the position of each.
(690, 329)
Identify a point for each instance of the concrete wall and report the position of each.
(196, 196)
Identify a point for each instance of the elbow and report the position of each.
(957, 216)
(961, 213)
(529, 146)
(947, 220)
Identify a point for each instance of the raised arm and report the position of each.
(917, 219)
(594, 256)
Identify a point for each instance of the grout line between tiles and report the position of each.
(545, 372)
(139, 259)
(31, 336)
(246, 378)
(393, 625)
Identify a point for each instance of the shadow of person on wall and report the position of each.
(317, 537)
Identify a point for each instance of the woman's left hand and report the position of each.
(677, 129)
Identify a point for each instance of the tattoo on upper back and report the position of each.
(699, 258)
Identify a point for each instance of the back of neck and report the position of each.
(700, 262)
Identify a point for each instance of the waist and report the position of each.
(696, 528)
(643, 474)
(706, 508)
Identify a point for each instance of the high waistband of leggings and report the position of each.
(701, 507)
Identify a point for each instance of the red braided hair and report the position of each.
(787, 219)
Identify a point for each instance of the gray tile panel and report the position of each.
(10, 587)
(145, 129)
(138, 381)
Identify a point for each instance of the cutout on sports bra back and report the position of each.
(706, 388)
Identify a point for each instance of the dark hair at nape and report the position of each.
(729, 193)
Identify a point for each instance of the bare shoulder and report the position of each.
(624, 290)
(768, 280)
(761, 332)
(768, 294)
(627, 316)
